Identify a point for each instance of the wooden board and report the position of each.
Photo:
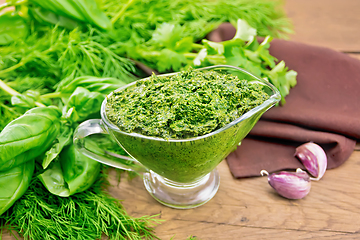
(251, 209)
(328, 23)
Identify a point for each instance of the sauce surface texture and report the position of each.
(188, 104)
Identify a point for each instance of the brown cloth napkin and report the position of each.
(324, 107)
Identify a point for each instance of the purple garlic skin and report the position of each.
(313, 158)
(291, 185)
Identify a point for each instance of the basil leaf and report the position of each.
(28, 136)
(12, 27)
(63, 139)
(103, 85)
(72, 173)
(80, 171)
(23, 101)
(53, 180)
(82, 10)
(14, 183)
(82, 103)
(44, 16)
(28, 99)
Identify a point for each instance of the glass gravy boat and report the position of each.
(179, 173)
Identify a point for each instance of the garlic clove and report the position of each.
(291, 185)
(313, 158)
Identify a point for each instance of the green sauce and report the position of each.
(177, 110)
(189, 104)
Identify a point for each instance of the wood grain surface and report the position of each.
(249, 208)
(328, 23)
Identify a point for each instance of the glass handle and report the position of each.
(83, 145)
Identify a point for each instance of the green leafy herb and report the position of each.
(26, 100)
(165, 53)
(81, 104)
(62, 54)
(46, 17)
(13, 184)
(63, 139)
(28, 136)
(50, 53)
(12, 27)
(104, 85)
(87, 215)
(71, 173)
(84, 11)
(198, 17)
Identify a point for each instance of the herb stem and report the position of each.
(22, 62)
(197, 46)
(53, 95)
(13, 92)
(8, 89)
(38, 104)
(9, 109)
(148, 54)
(217, 58)
(122, 10)
(263, 43)
(13, 67)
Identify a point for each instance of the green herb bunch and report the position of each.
(198, 17)
(87, 215)
(167, 51)
(52, 43)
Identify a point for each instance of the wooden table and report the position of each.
(249, 208)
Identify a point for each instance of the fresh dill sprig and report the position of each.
(61, 53)
(49, 55)
(7, 113)
(91, 214)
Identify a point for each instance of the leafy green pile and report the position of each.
(188, 104)
(167, 50)
(45, 45)
(59, 59)
(87, 215)
(138, 18)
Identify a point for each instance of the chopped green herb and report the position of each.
(188, 104)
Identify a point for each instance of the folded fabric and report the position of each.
(323, 108)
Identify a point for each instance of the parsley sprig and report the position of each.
(168, 51)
